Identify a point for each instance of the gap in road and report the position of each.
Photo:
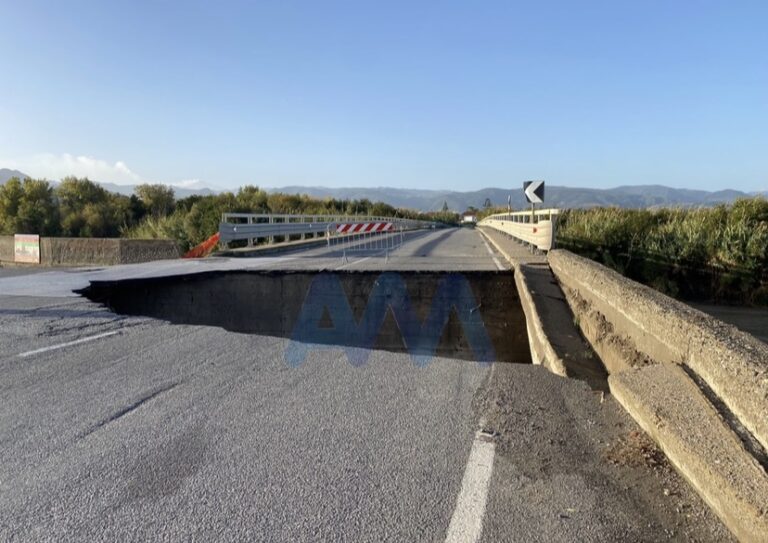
(469, 315)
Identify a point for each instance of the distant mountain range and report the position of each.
(6, 174)
(180, 192)
(639, 196)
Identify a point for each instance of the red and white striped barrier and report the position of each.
(363, 227)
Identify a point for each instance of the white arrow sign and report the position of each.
(534, 191)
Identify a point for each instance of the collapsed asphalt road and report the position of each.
(131, 428)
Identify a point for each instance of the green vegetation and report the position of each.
(718, 253)
(82, 208)
(488, 211)
(76, 208)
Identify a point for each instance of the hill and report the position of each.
(6, 174)
(640, 196)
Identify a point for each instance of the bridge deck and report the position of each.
(432, 250)
(515, 251)
(118, 427)
(451, 249)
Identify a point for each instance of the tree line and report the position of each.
(82, 208)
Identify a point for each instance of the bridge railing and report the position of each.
(258, 227)
(537, 228)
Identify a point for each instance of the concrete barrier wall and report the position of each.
(147, 250)
(95, 251)
(692, 382)
(539, 234)
(733, 364)
(79, 251)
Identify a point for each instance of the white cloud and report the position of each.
(190, 184)
(56, 167)
(52, 166)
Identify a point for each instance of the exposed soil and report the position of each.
(601, 333)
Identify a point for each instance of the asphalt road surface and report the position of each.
(133, 429)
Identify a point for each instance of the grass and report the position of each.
(166, 227)
(718, 253)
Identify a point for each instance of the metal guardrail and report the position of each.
(256, 227)
(536, 228)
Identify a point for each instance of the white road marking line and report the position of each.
(68, 344)
(362, 259)
(467, 520)
(354, 262)
(490, 252)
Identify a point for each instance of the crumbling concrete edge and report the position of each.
(733, 363)
(617, 353)
(649, 379)
(542, 351)
(671, 408)
(732, 482)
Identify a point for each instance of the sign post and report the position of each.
(534, 193)
(26, 248)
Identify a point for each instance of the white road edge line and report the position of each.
(352, 263)
(467, 521)
(355, 262)
(68, 344)
(490, 252)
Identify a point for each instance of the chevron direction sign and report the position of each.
(534, 191)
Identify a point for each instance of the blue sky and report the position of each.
(458, 95)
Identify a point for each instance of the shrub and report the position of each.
(718, 252)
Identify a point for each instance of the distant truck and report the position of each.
(469, 219)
